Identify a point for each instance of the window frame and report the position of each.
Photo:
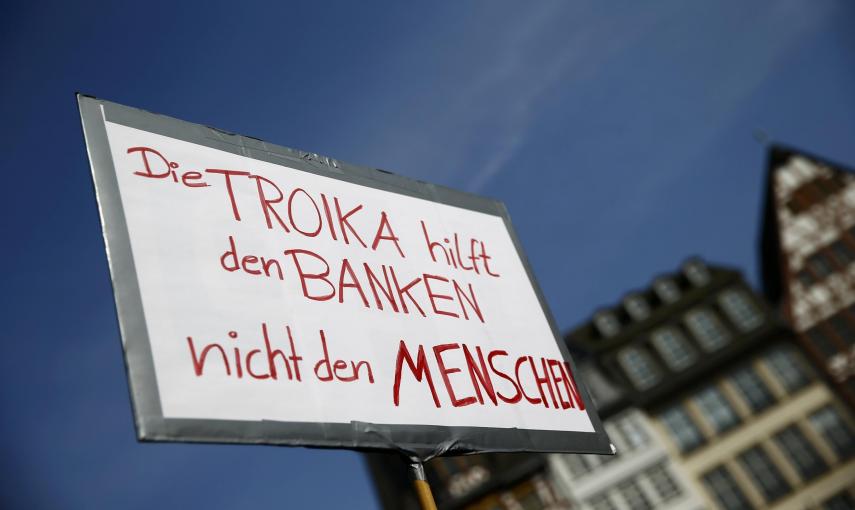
(667, 340)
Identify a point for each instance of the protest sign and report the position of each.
(269, 295)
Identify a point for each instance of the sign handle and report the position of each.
(420, 484)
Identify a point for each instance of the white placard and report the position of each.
(247, 269)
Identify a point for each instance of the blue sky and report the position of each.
(620, 134)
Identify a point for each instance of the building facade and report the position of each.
(641, 476)
(744, 419)
(707, 395)
(808, 250)
(499, 481)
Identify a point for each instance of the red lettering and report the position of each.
(144, 152)
(328, 215)
(445, 372)
(480, 377)
(572, 389)
(555, 380)
(459, 258)
(354, 283)
(519, 362)
(384, 223)
(341, 365)
(272, 354)
(406, 291)
(474, 258)
(193, 176)
(238, 368)
(433, 244)
(324, 362)
(387, 290)
(518, 395)
(543, 380)
(343, 222)
(266, 203)
(248, 260)
(227, 174)
(305, 276)
(486, 258)
(295, 359)
(311, 233)
(432, 296)
(230, 253)
(199, 363)
(249, 365)
(419, 369)
(266, 265)
(473, 303)
(367, 366)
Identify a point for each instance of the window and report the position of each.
(752, 388)
(683, 430)
(673, 348)
(805, 278)
(843, 327)
(577, 465)
(633, 433)
(663, 483)
(633, 496)
(850, 341)
(639, 367)
(788, 368)
(840, 501)
(800, 452)
(707, 329)
(637, 307)
(697, 272)
(716, 409)
(740, 309)
(666, 289)
(842, 252)
(819, 265)
(821, 340)
(764, 473)
(828, 422)
(830, 184)
(814, 191)
(607, 323)
(601, 502)
(722, 486)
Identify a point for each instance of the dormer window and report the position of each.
(637, 307)
(607, 323)
(707, 329)
(666, 290)
(639, 367)
(697, 272)
(740, 309)
(674, 348)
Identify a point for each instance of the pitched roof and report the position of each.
(772, 258)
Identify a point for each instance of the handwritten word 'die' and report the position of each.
(168, 169)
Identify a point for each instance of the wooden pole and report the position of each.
(422, 487)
